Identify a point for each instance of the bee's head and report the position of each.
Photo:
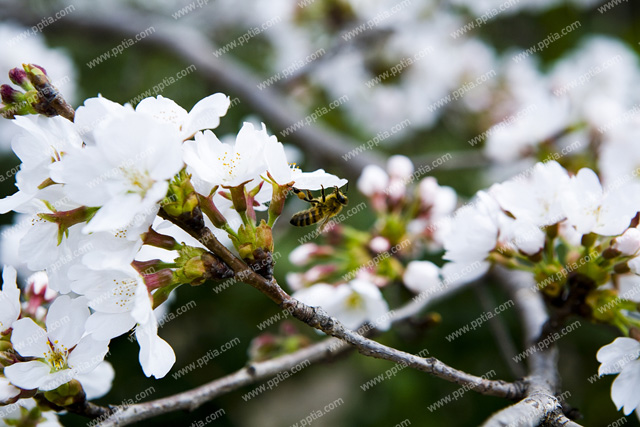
(341, 197)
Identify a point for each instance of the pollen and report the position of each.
(139, 181)
(229, 163)
(57, 355)
(354, 301)
(124, 292)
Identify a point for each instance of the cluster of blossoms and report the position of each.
(585, 100)
(351, 270)
(580, 242)
(98, 198)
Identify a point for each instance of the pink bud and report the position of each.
(379, 244)
(9, 95)
(18, 76)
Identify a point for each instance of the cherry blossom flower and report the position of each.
(537, 198)
(352, 303)
(590, 209)
(43, 141)
(61, 352)
(473, 232)
(123, 173)
(373, 180)
(121, 301)
(216, 163)
(421, 276)
(621, 357)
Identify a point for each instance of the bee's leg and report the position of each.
(301, 195)
(324, 200)
(308, 197)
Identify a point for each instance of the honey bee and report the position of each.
(323, 208)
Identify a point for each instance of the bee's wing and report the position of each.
(324, 223)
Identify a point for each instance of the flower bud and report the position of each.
(303, 254)
(379, 244)
(18, 76)
(421, 275)
(400, 167)
(374, 180)
(10, 95)
(38, 293)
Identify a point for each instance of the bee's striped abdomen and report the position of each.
(304, 218)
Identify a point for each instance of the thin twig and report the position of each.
(317, 318)
(322, 351)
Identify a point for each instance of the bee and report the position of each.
(323, 208)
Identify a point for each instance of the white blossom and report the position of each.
(352, 303)
(126, 173)
(621, 357)
(61, 352)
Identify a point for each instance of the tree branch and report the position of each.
(320, 352)
(317, 318)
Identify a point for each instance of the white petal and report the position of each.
(9, 298)
(317, 179)
(629, 242)
(117, 213)
(615, 356)
(98, 382)
(104, 326)
(156, 355)
(624, 390)
(14, 201)
(320, 294)
(88, 354)
(206, 114)
(29, 339)
(7, 391)
(66, 319)
(163, 109)
(27, 375)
